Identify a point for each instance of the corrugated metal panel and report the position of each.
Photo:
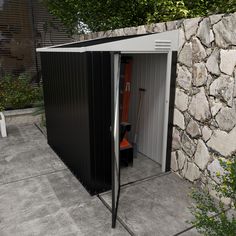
(100, 118)
(149, 72)
(77, 104)
(67, 111)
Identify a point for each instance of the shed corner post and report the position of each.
(171, 105)
(166, 112)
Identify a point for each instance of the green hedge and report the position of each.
(18, 93)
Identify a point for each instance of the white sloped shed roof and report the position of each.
(156, 43)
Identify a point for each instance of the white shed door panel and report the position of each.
(149, 72)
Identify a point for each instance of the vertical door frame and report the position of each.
(166, 111)
(171, 109)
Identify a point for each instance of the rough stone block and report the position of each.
(185, 55)
(182, 158)
(193, 129)
(141, 29)
(215, 18)
(227, 61)
(199, 53)
(199, 107)
(222, 142)
(190, 26)
(199, 74)
(176, 141)
(225, 31)
(181, 38)
(174, 163)
(191, 171)
(171, 25)
(159, 27)
(214, 168)
(202, 156)
(130, 30)
(226, 118)
(205, 33)
(223, 88)
(179, 119)
(213, 62)
(184, 78)
(206, 133)
(188, 145)
(215, 106)
(181, 100)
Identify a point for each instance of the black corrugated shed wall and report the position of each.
(78, 112)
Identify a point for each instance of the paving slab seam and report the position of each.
(32, 177)
(39, 128)
(123, 186)
(118, 218)
(184, 231)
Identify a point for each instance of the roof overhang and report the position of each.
(150, 43)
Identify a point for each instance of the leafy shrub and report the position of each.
(211, 216)
(17, 93)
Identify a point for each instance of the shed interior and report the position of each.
(146, 107)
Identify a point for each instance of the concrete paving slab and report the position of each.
(93, 219)
(53, 204)
(155, 207)
(142, 168)
(25, 153)
(68, 190)
(21, 134)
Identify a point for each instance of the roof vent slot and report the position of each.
(162, 45)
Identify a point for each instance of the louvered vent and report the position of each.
(162, 45)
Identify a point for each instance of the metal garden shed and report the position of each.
(81, 83)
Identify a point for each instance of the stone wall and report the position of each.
(205, 102)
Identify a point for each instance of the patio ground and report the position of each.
(40, 196)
